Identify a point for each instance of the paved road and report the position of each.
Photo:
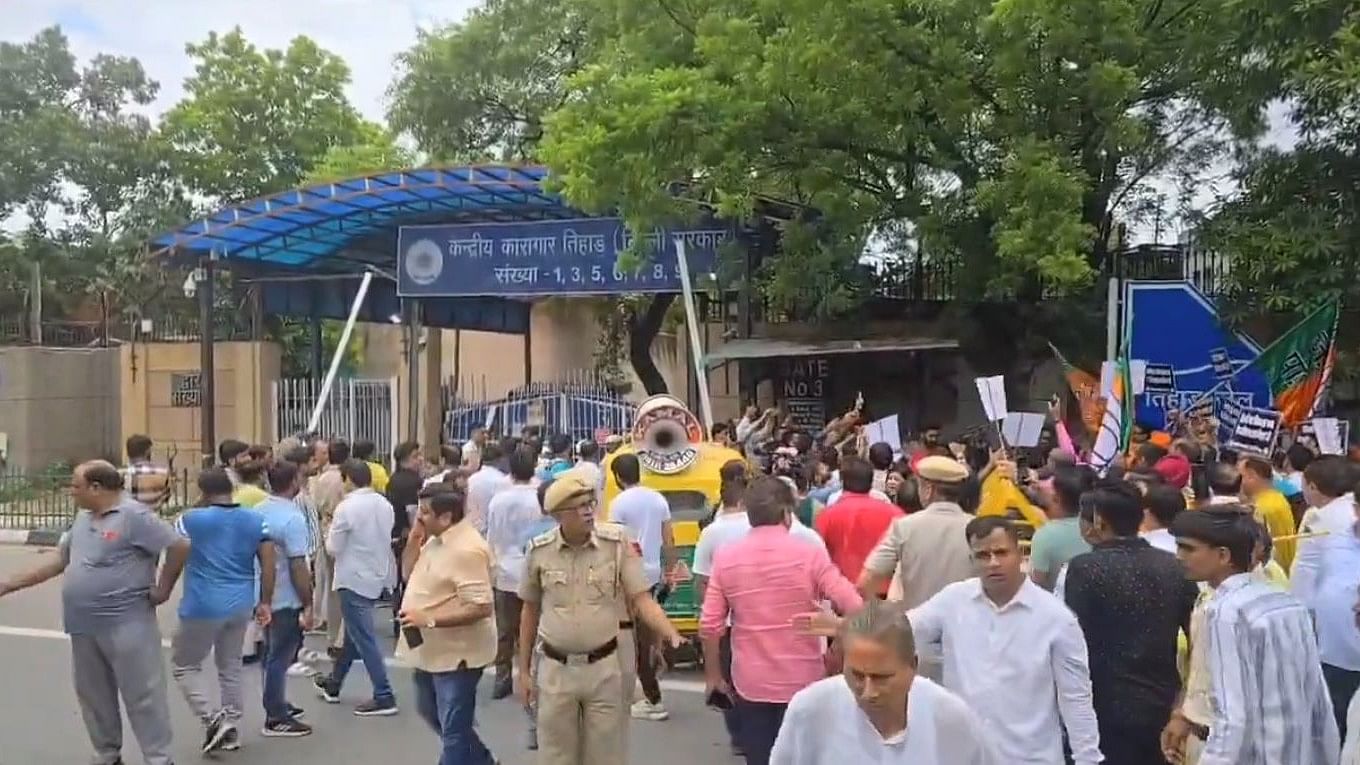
(41, 722)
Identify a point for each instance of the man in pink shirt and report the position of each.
(760, 583)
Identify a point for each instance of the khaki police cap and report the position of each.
(938, 469)
(566, 490)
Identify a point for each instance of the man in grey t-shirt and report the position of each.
(109, 595)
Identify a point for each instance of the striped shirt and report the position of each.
(1270, 703)
(147, 483)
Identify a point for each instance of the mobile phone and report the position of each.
(720, 700)
(413, 637)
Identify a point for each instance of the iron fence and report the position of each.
(55, 333)
(42, 500)
(356, 410)
(583, 404)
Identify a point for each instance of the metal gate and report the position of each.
(579, 404)
(356, 410)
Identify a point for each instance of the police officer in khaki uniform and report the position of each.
(579, 579)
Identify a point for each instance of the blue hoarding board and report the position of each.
(555, 257)
(1173, 323)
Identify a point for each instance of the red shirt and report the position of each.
(852, 528)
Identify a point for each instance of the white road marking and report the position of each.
(668, 684)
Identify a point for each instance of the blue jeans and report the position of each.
(361, 644)
(283, 637)
(448, 702)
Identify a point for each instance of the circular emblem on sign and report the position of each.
(424, 262)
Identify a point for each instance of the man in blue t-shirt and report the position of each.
(291, 609)
(220, 595)
(560, 460)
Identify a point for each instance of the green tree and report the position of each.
(1292, 232)
(1009, 139)
(480, 90)
(257, 121)
(84, 166)
(375, 151)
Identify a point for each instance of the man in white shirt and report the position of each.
(1326, 572)
(588, 465)
(1012, 651)
(511, 520)
(483, 485)
(360, 542)
(647, 516)
(472, 452)
(880, 712)
(1161, 505)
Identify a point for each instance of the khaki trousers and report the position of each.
(627, 653)
(579, 717)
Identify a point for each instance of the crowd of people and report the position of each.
(930, 601)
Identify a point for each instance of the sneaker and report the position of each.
(217, 729)
(646, 710)
(299, 669)
(291, 728)
(328, 691)
(231, 742)
(504, 687)
(297, 713)
(376, 708)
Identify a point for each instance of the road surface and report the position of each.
(42, 725)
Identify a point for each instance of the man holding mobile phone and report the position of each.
(448, 631)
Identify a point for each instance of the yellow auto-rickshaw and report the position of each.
(683, 466)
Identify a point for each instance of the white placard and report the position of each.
(1327, 431)
(1022, 429)
(992, 391)
(1138, 375)
(884, 431)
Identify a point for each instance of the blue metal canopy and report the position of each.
(332, 229)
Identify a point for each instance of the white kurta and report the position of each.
(825, 726)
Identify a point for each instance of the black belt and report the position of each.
(589, 657)
(625, 625)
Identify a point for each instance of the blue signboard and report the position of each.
(1173, 323)
(551, 257)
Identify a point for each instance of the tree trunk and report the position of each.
(642, 330)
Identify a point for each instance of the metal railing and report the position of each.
(581, 403)
(356, 409)
(55, 333)
(42, 499)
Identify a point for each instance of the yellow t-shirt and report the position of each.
(248, 495)
(1273, 510)
(380, 477)
(1000, 493)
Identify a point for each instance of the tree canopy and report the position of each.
(1012, 137)
(1293, 231)
(257, 121)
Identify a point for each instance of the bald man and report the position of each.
(109, 595)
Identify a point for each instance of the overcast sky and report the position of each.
(367, 33)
